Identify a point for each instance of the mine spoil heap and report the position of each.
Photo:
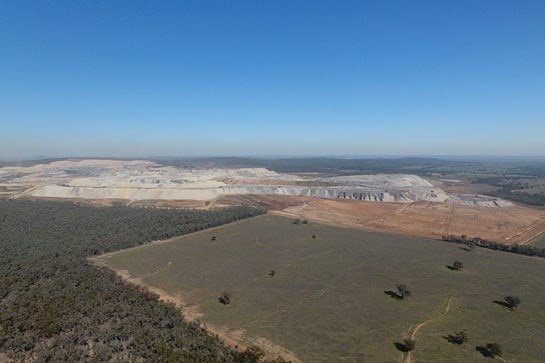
(146, 180)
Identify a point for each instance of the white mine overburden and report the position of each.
(146, 180)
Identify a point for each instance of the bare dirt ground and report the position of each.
(513, 224)
(269, 202)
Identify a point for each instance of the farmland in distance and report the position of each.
(328, 300)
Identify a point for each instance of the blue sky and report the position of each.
(181, 78)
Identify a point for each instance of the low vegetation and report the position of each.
(403, 291)
(457, 266)
(512, 301)
(539, 241)
(329, 302)
(407, 345)
(410, 344)
(225, 298)
(458, 338)
(490, 350)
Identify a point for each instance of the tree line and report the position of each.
(526, 250)
(56, 306)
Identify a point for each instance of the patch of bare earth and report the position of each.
(236, 339)
(269, 202)
(513, 224)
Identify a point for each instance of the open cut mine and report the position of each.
(146, 180)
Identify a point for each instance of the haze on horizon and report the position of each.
(142, 78)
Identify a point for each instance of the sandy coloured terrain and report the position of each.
(145, 180)
(140, 180)
(510, 224)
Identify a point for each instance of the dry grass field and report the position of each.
(539, 241)
(327, 300)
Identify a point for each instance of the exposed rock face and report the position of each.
(348, 192)
(145, 180)
(478, 200)
(132, 193)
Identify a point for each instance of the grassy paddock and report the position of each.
(539, 241)
(327, 300)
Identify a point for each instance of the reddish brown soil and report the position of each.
(269, 202)
(515, 224)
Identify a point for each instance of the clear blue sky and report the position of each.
(187, 78)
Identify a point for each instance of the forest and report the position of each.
(56, 306)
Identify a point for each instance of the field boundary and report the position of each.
(171, 239)
(231, 338)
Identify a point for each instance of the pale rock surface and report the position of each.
(146, 180)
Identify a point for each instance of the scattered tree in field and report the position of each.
(403, 291)
(213, 238)
(458, 265)
(313, 236)
(406, 346)
(410, 344)
(494, 349)
(225, 299)
(297, 221)
(305, 221)
(459, 338)
(272, 273)
(512, 301)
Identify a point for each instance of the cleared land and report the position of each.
(513, 224)
(327, 300)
